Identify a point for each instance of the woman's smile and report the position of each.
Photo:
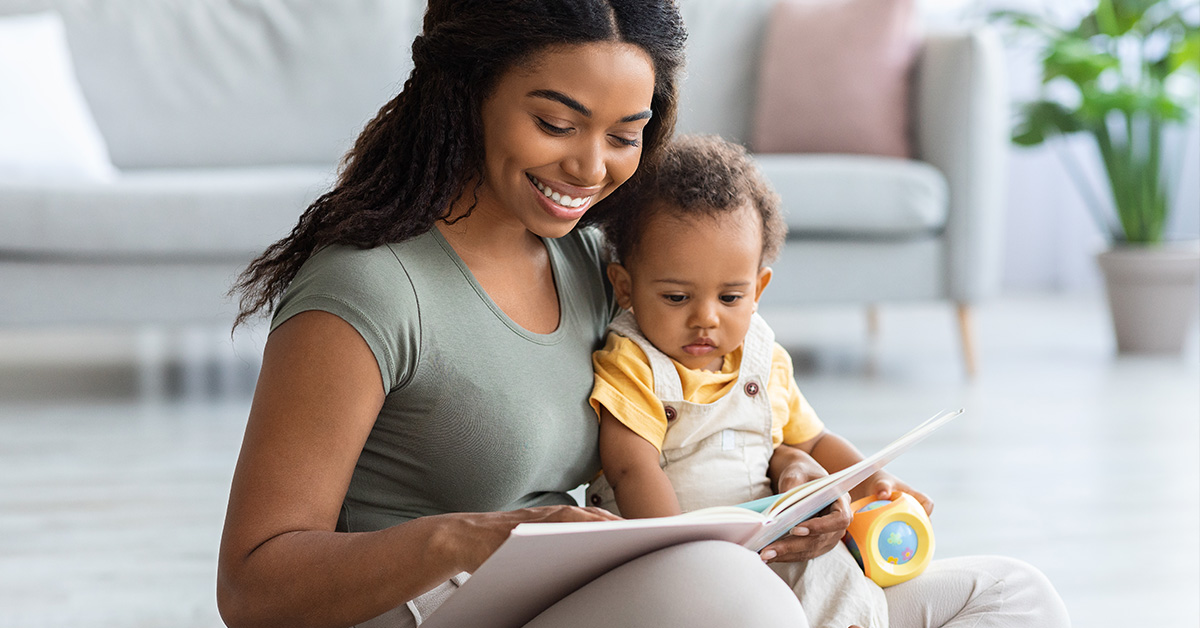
(564, 201)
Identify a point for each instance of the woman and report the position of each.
(424, 387)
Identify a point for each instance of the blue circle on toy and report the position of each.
(897, 543)
(873, 505)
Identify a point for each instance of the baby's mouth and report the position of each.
(701, 346)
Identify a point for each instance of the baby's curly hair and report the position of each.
(698, 175)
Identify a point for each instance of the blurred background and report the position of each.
(148, 151)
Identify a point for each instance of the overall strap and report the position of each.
(757, 351)
(667, 386)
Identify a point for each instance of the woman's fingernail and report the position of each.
(768, 555)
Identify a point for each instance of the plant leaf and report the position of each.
(1039, 120)
(1185, 53)
(1076, 60)
(1129, 15)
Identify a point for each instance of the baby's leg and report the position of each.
(834, 592)
(705, 584)
(977, 592)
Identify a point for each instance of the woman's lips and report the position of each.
(579, 204)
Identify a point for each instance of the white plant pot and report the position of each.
(1153, 294)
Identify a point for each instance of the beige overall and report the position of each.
(717, 454)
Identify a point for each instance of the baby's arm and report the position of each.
(836, 453)
(630, 464)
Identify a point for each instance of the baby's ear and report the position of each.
(764, 278)
(622, 284)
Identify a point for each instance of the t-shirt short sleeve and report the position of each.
(370, 290)
(794, 420)
(624, 384)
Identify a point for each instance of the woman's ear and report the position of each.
(764, 278)
(622, 285)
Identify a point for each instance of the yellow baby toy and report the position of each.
(891, 539)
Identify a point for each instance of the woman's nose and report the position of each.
(586, 163)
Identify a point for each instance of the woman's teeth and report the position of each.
(565, 201)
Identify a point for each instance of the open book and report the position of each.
(541, 563)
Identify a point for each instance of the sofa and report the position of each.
(224, 119)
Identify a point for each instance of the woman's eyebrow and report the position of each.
(564, 99)
(560, 97)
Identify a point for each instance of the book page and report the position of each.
(798, 507)
(721, 513)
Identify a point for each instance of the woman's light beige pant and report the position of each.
(710, 584)
(977, 592)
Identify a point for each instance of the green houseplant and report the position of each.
(1125, 75)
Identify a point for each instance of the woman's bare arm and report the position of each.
(281, 563)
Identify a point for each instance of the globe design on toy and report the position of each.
(897, 543)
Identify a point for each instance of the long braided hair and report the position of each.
(420, 152)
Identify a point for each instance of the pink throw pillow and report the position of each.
(834, 78)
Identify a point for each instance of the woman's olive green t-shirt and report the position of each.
(480, 413)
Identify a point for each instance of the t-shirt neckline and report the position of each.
(555, 270)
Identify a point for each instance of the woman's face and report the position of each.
(562, 132)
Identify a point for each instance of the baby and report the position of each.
(694, 396)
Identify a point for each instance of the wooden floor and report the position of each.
(112, 490)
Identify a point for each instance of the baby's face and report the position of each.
(693, 284)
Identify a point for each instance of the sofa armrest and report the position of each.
(960, 126)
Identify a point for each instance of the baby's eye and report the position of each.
(675, 298)
(730, 298)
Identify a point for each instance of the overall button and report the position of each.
(596, 499)
(751, 388)
(670, 413)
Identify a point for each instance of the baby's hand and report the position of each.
(883, 484)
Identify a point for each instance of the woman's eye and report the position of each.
(675, 298)
(730, 298)
(550, 128)
(625, 141)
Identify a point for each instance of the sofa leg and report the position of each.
(872, 339)
(967, 331)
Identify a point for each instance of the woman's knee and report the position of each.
(1030, 592)
(979, 591)
(703, 584)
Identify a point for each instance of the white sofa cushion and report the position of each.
(47, 132)
(724, 46)
(857, 195)
(234, 83)
(178, 214)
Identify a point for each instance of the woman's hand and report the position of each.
(476, 536)
(813, 537)
(883, 484)
(789, 468)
